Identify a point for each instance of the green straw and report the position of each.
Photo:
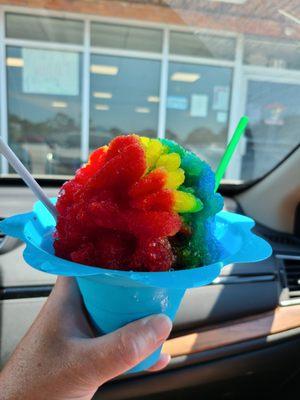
(240, 129)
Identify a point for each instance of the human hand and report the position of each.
(60, 359)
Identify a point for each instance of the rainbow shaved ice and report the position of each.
(139, 204)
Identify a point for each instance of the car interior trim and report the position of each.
(237, 279)
(261, 325)
(25, 292)
(204, 373)
(287, 257)
(233, 349)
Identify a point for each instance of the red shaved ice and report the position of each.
(115, 215)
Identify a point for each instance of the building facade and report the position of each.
(73, 74)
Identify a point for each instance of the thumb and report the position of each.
(117, 352)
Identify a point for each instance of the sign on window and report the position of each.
(50, 72)
(221, 98)
(199, 105)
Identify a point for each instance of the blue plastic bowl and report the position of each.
(114, 298)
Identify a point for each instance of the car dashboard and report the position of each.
(239, 327)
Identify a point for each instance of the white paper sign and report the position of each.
(50, 72)
(177, 103)
(221, 98)
(199, 105)
(221, 117)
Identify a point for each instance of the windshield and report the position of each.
(75, 76)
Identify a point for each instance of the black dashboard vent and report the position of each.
(292, 270)
(283, 239)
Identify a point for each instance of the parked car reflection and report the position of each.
(64, 156)
(23, 154)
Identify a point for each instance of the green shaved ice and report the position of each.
(196, 244)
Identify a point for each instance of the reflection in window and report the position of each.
(201, 45)
(124, 97)
(1, 157)
(44, 109)
(273, 109)
(126, 37)
(45, 29)
(198, 107)
(274, 53)
(44, 87)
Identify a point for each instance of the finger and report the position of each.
(66, 291)
(65, 296)
(65, 309)
(116, 353)
(161, 363)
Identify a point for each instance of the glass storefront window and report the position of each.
(273, 131)
(197, 108)
(1, 157)
(126, 37)
(44, 29)
(124, 97)
(274, 53)
(44, 86)
(44, 108)
(202, 45)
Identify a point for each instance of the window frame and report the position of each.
(236, 109)
(86, 50)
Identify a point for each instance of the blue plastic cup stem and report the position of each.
(115, 298)
(112, 304)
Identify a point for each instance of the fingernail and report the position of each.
(160, 324)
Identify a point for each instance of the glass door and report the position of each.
(273, 107)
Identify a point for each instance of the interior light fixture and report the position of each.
(153, 99)
(102, 107)
(142, 110)
(14, 62)
(59, 104)
(185, 77)
(104, 69)
(102, 95)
